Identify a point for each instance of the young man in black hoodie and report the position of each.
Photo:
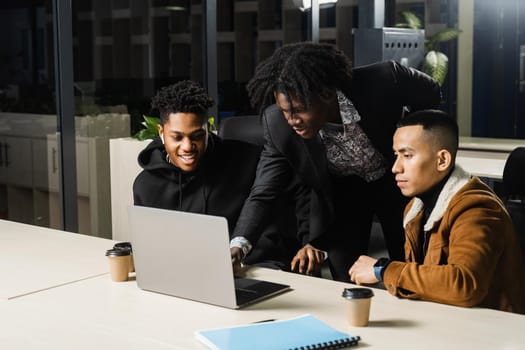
(189, 169)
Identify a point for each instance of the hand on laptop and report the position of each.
(237, 256)
(308, 260)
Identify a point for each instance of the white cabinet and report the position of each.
(17, 178)
(40, 163)
(93, 186)
(15, 161)
(82, 161)
(30, 169)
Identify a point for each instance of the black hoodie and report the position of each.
(219, 186)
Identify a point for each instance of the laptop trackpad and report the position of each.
(249, 290)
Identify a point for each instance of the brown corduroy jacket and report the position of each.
(473, 256)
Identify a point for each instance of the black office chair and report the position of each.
(249, 129)
(514, 191)
(246, 128)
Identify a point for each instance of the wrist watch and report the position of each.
(379, 268)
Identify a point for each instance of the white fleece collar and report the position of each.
(457, 179)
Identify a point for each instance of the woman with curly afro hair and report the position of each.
(331, 126)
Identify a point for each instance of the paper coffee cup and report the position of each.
(126, 245)
(358, 305)
(119, 262)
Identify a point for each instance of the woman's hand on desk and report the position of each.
(308, 260)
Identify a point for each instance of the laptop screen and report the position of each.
(182, 254)
(188, 255)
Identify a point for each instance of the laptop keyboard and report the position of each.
(247, 290)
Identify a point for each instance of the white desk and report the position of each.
(485, 157)
(34, 258)
(99, 314)
(482, 163)
(489, 144)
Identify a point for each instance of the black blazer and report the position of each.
(379, 92)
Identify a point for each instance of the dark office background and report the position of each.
(122, 51)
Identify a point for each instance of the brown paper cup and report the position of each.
(119, 263)
(358, 302)
(119, 267)
(127, 246)
(358, 312)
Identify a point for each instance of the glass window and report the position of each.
(125, 50)
(28, 119)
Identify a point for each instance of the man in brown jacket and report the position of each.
(461, 248)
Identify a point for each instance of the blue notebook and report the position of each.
(304, 332)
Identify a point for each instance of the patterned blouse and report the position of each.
(348, 149)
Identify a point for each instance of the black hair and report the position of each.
(439, 123)
(306, 71)
(185, 96)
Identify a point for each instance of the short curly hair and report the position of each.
(303, 70)
(185, 96)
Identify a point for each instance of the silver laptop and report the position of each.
(187, 255)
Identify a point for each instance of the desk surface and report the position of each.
(34, 258)
(489, 144)
(482, 164)
(98, 313)
(485, 157)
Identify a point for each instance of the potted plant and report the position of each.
(149, 131)
(435, 62)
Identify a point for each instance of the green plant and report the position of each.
(211, 125)
(435, 63)
(151, 131)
